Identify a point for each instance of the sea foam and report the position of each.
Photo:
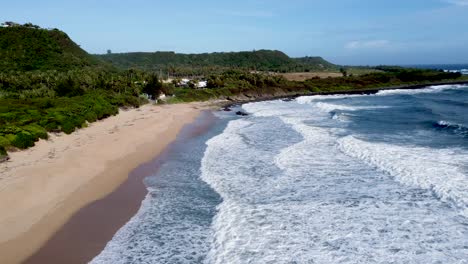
(292, 184)
(294, 192)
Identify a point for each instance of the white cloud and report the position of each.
(369, 44)
(457, 2)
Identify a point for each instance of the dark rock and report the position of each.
(227, 109)
(241, 113)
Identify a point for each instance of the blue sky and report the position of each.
(362, 32)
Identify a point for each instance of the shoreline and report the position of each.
(45, 190)
(43, 187)
(233, 101)
(89, 230)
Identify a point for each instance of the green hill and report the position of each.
(317, 63)
(28, 47)
(261, 60)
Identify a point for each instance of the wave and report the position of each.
(156, 234)
(457, 129)
(305, 201)
(329, 107)
(429, 89)
(433, 169)
(312, 98)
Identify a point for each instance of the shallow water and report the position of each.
(326, 179)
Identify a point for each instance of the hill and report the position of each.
(28, 47)
(317, 63)
(261, 60)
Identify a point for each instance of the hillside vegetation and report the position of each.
(27, 48)
(48, 83)
(207, 63)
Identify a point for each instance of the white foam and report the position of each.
(307, 202)
(294, 191)
(438, 170)
(329, 107)
(313, 98)
(154, 235)
(429, 89)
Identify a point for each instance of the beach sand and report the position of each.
(89, 230)
(43, 187)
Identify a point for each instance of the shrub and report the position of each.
(10, 137)
(69, 87)
(2, 152)
(23, 140)
(10, 130)
(90, 116)
(37, 131)
(4, 142)
(68, 127)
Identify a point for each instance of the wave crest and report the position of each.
(457, 129)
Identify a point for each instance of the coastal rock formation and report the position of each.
(241, 113)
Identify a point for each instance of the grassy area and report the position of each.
(361, 70)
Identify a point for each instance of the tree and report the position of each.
(344, 72)
(153, 87)
(214, 82)
(109, 51)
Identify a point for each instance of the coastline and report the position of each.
(89, 230)
(42, 187)
(247, 98)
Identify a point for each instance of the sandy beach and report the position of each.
(42, 187)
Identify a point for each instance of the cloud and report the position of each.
(457, 2)
(369, 44)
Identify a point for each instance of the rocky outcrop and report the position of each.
(241, 113)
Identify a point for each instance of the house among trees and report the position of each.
(202, 84)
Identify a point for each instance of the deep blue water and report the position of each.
(325, 179)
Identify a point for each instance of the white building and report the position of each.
(202, 84)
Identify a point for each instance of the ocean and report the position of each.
(462, 68)
(321, 179)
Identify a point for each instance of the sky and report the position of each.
(348, 32)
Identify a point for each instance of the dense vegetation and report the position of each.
(28, 47)
(244, 85)
(208, 63)
(33, 103)
(48, 83)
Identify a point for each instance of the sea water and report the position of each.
(461, 68)
(323, 179)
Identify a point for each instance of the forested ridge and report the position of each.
(28, 47)
(259, 60)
